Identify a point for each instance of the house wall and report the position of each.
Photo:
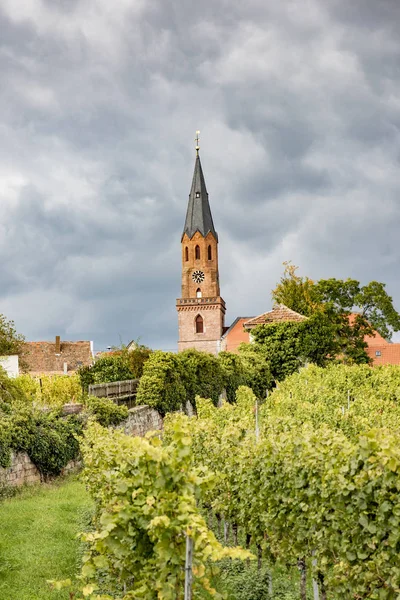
(42, 358)
(10, 364)
(235, 336)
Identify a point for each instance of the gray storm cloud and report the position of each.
(299, 110)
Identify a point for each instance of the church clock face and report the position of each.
(198, 276)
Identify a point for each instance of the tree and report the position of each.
(202, 375)
(136, 358)
(337, 299)
(234, 373)
(297, 293)
(105, 370)
(11, 342)
(257, 369)
(288, 346)
(161, 385)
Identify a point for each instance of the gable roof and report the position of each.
(372, 340)
(279, 314)
(41, 357)
(229, 329)
(198, 215)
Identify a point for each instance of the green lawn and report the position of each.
(38, 539)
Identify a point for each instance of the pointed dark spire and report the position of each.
(198, 216)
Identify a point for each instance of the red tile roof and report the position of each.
(372, 340)
(389, 354)
(279, 314)
(41, 357)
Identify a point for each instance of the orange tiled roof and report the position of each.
(389, 354)
(372, 340)
(279, 314)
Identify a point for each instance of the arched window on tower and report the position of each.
(198, 293)
(186, 253)
(197, 252)
(199, 324)
(209, 253)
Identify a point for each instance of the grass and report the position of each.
(38, 539)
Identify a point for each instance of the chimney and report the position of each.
(58, 345)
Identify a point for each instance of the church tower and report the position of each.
(201, 310)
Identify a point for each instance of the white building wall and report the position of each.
(10, 364)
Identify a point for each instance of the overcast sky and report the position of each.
(298, 103)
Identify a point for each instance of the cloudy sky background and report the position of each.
(298, 104)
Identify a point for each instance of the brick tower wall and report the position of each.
(213, 320)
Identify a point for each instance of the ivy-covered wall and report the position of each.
(22, 471)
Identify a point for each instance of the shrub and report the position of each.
(105, 411)
(50, 390)
(136, 358)
(257, 369)
(49, 439)
(54, 443)
(10, 392)
(161, 385)
(202, 375)
(105, 370)
(245, 582)
(234, 373)
(5, 442)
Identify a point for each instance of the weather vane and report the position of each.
(197, 139)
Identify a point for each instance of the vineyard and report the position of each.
(308, 480)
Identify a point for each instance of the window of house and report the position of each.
(199, 324)
(209, 253)
(378, 353)
(197, 252)
(186, 253)
(198, 293)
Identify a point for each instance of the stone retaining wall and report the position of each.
(22, 471)
(142, 419)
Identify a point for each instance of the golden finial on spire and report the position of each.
(197, 139)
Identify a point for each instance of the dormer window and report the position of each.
(197, 194)
(378, 353)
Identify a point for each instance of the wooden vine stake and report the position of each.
(301, 564)
(188, 568)
(257, 427)
(315, 583)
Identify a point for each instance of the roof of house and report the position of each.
(198, 216)
(389, 354)
(41, 357)
(229, 329)
(279, 314)
(372, 340)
